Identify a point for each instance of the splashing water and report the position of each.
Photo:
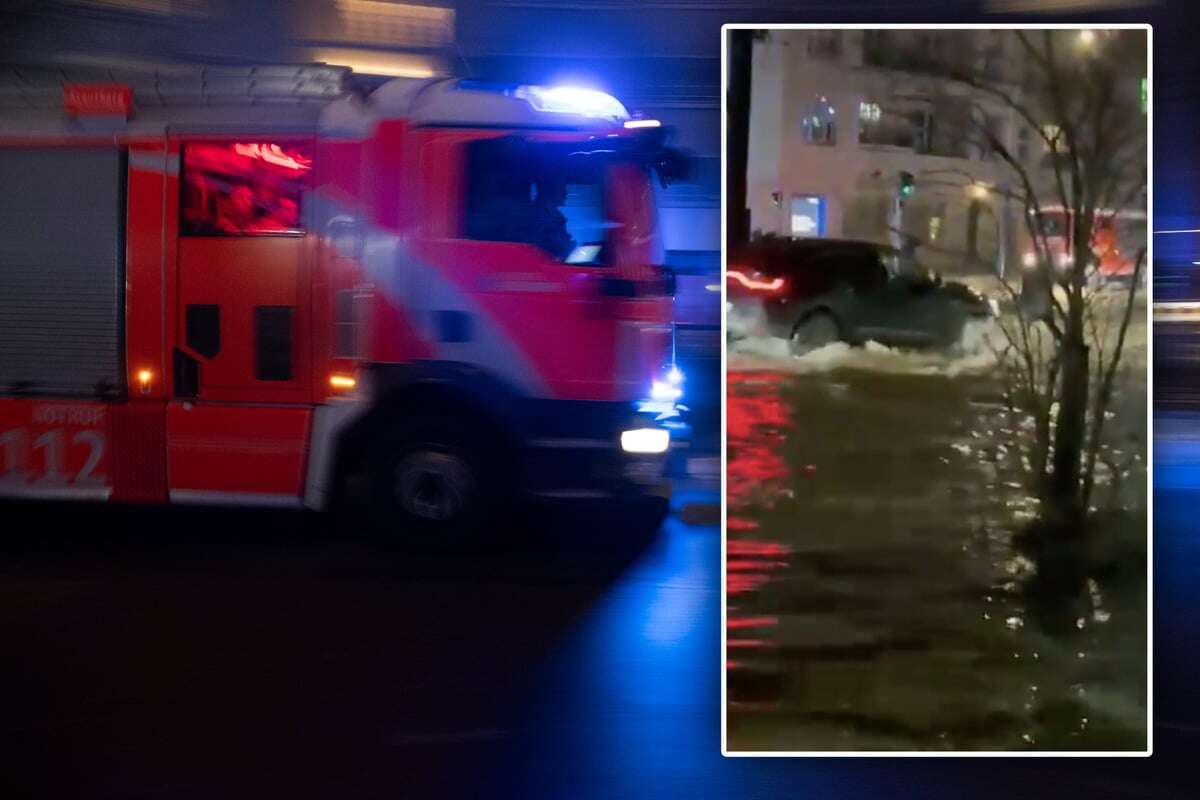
(974, 353)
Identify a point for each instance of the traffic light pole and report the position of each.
(896, 225)
(904, 188)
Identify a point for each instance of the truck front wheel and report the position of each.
(432, 485)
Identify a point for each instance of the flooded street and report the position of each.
(876, 599)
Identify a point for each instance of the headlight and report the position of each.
(645, 440)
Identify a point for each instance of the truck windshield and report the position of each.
(551, 195)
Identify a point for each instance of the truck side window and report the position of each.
(538, 194)
(242, 188)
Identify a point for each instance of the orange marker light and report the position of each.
(144, 377)
(342, 382)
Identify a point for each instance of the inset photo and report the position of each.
(937, 404)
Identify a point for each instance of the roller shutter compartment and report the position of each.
(62, 216)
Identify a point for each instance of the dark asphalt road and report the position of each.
(189, 653)
(180, 654)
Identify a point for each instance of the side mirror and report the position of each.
(672, 166)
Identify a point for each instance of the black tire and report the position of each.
(812, 332)
(433, 483)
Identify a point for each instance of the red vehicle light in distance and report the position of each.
(756, 282)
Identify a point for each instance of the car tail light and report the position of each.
(756, 281)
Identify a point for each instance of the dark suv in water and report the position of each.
(818, 291)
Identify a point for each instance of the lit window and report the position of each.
(808, 215)
(819, 122)
(243, 188)
(893, 128)
(394, 23)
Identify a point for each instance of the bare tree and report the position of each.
(1077, 94)
(1080, 97)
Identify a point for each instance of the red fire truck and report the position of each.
(1117, 235)
(264, 287)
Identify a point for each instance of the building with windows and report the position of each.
(851, 135)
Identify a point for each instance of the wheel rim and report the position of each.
(433, 486)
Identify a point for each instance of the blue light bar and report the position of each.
(572, 100)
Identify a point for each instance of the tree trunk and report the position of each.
(1064, 498)
(737, 106)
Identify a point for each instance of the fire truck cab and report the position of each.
(1117, 236)
(425, 301)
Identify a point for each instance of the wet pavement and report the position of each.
(876, 600)
(165, 657)
(188, 653)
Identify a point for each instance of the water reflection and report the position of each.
(755, 483)
(878, 593)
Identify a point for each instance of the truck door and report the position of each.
(243, 272)
(242, 352)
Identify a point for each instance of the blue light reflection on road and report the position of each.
(628, 706)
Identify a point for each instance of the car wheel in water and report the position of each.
(813, 332)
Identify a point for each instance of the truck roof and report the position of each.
(304, 96)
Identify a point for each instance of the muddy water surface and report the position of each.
(876, 599)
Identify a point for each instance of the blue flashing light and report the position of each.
(668, 388)
(572, 100)
(664, 392)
